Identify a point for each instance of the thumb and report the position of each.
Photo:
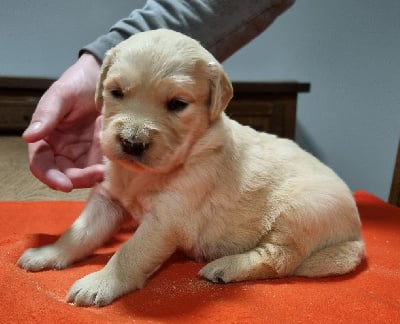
(52, 108)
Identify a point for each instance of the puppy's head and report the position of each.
(159, 92)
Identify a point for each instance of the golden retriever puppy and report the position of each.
(254, 205)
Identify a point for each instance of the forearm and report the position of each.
(222, 26)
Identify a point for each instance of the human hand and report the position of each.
(63, 141)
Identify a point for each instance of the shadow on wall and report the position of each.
(305, 139)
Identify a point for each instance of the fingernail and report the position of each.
(32, 128)
(32, 132)
(35, 126)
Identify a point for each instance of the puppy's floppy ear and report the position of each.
(107, 63)
(221, 91)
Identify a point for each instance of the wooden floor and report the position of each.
(16, 180)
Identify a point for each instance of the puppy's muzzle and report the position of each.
(133, 146)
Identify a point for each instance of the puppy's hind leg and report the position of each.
(265, 261)
(97, 222)
(336, 259)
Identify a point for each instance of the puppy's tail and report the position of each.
(333, 260)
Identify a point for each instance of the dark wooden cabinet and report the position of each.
(394, 196)
(265, 106)
(18, 100)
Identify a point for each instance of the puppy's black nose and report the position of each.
(133, 147)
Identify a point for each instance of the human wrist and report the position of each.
(87, 70)
(89, 60)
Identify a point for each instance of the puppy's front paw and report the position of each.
(219, 271)
(46, 257)
(98, 289)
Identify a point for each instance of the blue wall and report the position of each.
(349, 51)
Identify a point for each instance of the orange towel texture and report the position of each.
(175, 294)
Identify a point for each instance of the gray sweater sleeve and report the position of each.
(221, 26)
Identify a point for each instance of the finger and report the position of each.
(52, 108)
(43, 167)
(87, 177)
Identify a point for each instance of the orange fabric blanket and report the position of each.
(175, 294)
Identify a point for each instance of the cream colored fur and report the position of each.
(254, 205)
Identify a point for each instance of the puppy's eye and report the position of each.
(176, 105)
(117, 93)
